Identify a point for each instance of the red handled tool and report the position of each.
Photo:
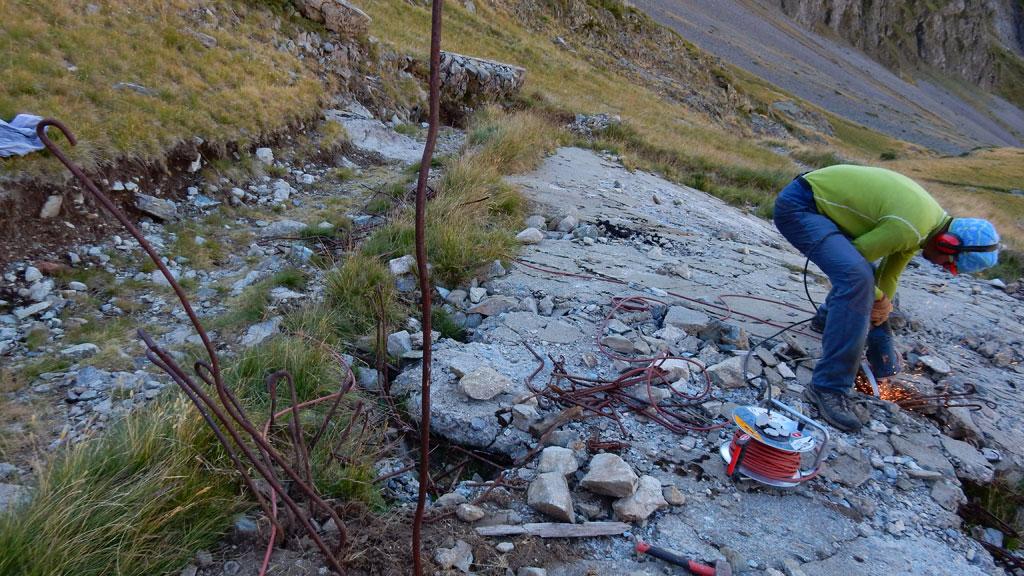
(721, 568)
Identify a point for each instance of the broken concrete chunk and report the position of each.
(692, 321)
(728, 374)
(484, 383)
(785, 371)
(611, 476)
(549, 494)
(557, 459)
(642, 503)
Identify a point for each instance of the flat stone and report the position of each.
(259, 332)
(549, 494)
(484, 383)
(27, 311)
(923, 448)
(618, 343)
(935, 364)
(494, 305)
(531, 571)
(77, 286)
(557, 459)
(450, 499)
(282, 228)
(686, 319)
(610, 475)
(970, 463)
(80, 351)
(559, 332)
(159, 208)
(647, 499)
(849, 470)
(785, 371)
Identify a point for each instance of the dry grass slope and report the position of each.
(67, 58)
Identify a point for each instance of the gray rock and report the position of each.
(611, 476)
(673, 496)
(530, 236)
(160, 208)
(281, 191)
(970, 463)
(557, 459)
(376, 138)
(51, 208)
(477, 294)
(549, 494)
(924, 449)
(282, 228)
(691, 321)
(523, 416)
(26, 311)
(469, 513)
(265, 155)
(32, 274)
(399, 343)
(403, 265)
(531, 571)
(647, 499)
(282, 293)
(935, 364)
(77, 286)
(505, 547)
(40, 290)
(568, 224)
(80, 351)
(536, 221)
(12, 495)
(947, 495)
(785, 371)
(484, 383)
(259, 332)
(494, 305)
(450, 499)
(456, 298)
(618, 343)
(459, 557)
(546, 306)
(7, 470)
(190, 570)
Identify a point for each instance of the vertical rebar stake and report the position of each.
(424, 279)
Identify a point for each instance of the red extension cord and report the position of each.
(766, 461)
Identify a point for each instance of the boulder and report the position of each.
(484, 383)
(647, 499)
(549, 494)
(610, 475)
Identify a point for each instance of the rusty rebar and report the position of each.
(225, 417)
(424, 279)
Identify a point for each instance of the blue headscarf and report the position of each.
(975, 232)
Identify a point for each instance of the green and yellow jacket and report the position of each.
(887, 215)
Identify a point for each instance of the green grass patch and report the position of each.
(251, 305)
(818, 158)
(1009, 268)
(140, 499)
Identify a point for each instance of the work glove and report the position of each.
(881, 310)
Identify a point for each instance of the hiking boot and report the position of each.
(834, 407)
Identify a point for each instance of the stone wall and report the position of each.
(466, 82)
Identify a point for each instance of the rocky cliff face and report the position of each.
(981, 41)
